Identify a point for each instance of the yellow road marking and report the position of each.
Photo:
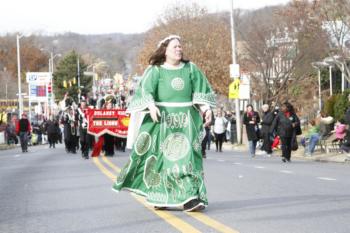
(110, 164)
(211, 222)
(103, 169)
(197, 215)
(170, 218)
(179, 224)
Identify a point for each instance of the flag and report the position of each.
(98, 147)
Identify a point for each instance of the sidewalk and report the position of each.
(6, 147)
(317, 156)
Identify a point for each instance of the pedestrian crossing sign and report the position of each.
(233, 89)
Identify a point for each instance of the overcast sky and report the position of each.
(98, 16)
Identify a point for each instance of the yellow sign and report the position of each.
(233, 89)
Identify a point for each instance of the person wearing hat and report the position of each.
(23, 129)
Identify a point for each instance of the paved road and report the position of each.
(47, 190)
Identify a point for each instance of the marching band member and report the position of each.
(109, 139)
(70, 130)
(85, 138)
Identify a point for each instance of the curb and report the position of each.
(6, 147)
(323, 158)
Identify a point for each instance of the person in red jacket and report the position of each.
(23, 129)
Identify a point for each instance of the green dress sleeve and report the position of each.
(202, 91)
(146, 90)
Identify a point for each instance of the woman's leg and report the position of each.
(221, 141)
(286, 147)
(251, 150)
(313, 142)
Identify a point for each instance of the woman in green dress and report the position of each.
(166, 163)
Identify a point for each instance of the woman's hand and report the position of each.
(154, 112)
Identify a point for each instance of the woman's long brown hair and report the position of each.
(158, 57)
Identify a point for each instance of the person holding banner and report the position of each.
(108, 138)
(166, 164)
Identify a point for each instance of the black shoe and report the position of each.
(194, 205)
(284, 160)
(160, 208)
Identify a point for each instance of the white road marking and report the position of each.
(240, 176)
(326, 178)
(17, 155)
(259, 167)
(286, 171)
(237, 163)
(221, 160)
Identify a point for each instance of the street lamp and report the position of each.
(20, 99)
(318, 65)
(52, 56)
(233, 44)
(51, 69)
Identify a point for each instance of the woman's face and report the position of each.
(173, 51)
(249, 109)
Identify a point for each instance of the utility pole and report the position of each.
(234, 62)
(78, 69)
(20, 100)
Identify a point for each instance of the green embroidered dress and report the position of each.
(166, 162)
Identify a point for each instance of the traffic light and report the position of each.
(49, 89)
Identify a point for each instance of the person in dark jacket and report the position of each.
(233, 130)
(52, 130)
(251, 120)
(285, 123)
(70, 130)
(85, 138)
(266, 123)
(23, 129)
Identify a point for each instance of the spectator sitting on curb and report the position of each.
(326, 125)
(312, 137)
(340, 131)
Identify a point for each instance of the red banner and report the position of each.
(114, 122)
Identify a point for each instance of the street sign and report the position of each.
(244, 87)
(233, 90)
(38, 77)
(234, 71)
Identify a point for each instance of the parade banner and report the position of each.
(114, 122)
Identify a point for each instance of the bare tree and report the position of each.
(280, 45)
(335, 16)
(206, 41)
